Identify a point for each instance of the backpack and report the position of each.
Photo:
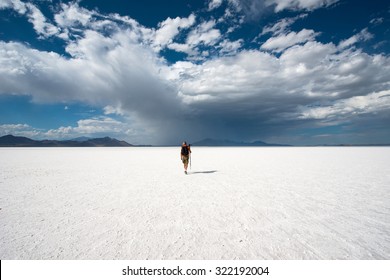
(184, 150)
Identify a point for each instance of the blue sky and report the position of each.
(159, 72)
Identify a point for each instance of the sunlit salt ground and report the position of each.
(236, 203)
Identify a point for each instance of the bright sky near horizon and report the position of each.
(159, 72)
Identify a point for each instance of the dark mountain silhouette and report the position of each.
(10, 140)
(229, 143)
(106, 142)
(81, 139)
(16, 141)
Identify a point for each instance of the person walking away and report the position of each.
(185, 155)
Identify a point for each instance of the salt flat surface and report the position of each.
(236, 203)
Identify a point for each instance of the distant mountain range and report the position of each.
(16, 141)
(228, 143)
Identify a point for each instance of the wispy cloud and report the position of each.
(311, 5)
(284, 41)
(375, 102)
(362, 36)
(255, 9)
(281, 26)
(214, 4)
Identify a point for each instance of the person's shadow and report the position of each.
(203, 172)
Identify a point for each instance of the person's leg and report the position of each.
(185, 162)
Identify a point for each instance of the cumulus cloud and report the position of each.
(72, 14)
(247, 89)
(229, 47)
(203, 34)
(113, 71)
(99, 126)
(102, 72)
(95, 127)
(16, 5)
(170, 28)
(110, 110)
(184, 48)
(20, 130)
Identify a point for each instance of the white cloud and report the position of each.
(72, 15)
(205, 33)
(226, 77)
(170, 28)
(103, 71)
(305, 63)
(308, 5)
(281, 26)
(88, 127)
(99, 126)
(39, 21)
(363, 35)
(372, 103)
(41, 26)
(16, 5)
(111, 110)
(185, 48)
(202, 35)
(214, 4)
(284, 41)
(377, 21)
(306, 71)
(229, 47)
(255, 9)
(19, 130)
